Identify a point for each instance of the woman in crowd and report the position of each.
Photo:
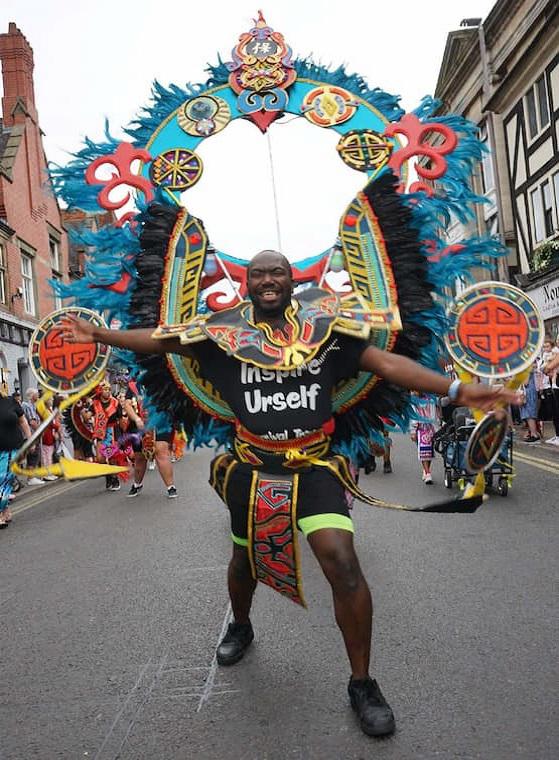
(529, 410)
(14, 429)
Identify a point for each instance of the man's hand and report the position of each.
(486, 397)
(76, 330)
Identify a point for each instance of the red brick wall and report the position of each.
(27, 203)
(29, 206)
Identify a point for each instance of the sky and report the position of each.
(96, 60)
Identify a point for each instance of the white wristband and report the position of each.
(453, 390)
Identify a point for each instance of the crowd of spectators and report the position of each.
(541, 395)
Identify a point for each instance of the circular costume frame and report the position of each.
(389, 242)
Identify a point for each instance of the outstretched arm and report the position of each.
(409, 374)
(140, 341)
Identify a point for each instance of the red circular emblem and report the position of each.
(62, 366)
(494, 330)
(64, 360)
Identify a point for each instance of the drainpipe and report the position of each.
(502, 264)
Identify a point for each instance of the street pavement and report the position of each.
(111, 608)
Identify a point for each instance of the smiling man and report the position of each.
(279, 386)
(269, 284)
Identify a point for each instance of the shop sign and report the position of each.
(546, 298)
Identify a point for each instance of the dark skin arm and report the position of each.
(408, 374)
(392, 367)
(140, 341)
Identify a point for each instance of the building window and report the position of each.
(537, 107)
(487, 176)
(54, 248)
(2, 274)
(544, 209)
(28, 284)
(57, 299)
(547, 208)
(492, 225)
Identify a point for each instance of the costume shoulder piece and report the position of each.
(311, 318)
(156, 266)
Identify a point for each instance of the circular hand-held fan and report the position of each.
(495, 331)
(61, 366)
(69, 368)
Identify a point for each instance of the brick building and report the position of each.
(33, 243)
(77, 219)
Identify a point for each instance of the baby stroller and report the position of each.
(451, 441)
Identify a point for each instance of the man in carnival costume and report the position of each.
(295, 383)
(293, 410)
(107, 413)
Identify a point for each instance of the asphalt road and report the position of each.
(111, 608)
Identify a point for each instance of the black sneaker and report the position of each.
(375, 715)
(172, 492)
(115, 483)
(234, 644)
(387, 468)
(371, 466)
(134, 490)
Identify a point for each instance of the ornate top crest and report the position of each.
(261, 72)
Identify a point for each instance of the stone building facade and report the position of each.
(503, 74)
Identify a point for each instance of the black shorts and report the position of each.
(322, 502)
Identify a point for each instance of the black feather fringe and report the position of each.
(168, 401)
(409, 266)
(353, 428)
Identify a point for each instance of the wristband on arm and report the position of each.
(453, 390)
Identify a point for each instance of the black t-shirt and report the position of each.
(11, 434)
(279, 404)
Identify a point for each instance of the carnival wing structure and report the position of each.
(154, 267)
